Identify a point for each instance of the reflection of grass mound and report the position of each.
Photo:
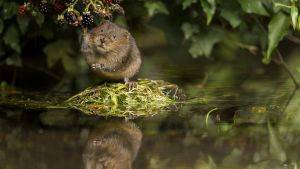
(145, 99)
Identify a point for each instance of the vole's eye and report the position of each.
(102, 30)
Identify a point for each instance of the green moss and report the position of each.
(146, 98)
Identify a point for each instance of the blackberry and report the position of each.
(87, 19)
(59, 6)
(71, 18)
(44, 7)
(61, 20)
(22, 10)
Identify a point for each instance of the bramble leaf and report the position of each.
(9, 10)
(294, 16)
(278, 28)
(23, 23)
(155, 8)
(232, 16)
(203, 44)
(11, 38)
(1, 26)
(209, 7)
(187, 3)
(253, 6)
(58, 51)
(189, 30)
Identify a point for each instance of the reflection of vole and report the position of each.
(111, 52)
(113, 146)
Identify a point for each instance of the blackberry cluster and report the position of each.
(85, 13)
(71, 18)
(44, 7)
(87, 19)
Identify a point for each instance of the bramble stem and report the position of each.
(279, 61)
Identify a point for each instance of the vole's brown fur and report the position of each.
(111, 52)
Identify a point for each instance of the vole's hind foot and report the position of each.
(131, 84)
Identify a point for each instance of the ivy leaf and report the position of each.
(11, 38)
(23, 23)
(187, 3)
(232, 16)
(155, 8)
(209, 7)
(189, 30)
(203, 44)
(1, 26)
(57, 51)
(253, 6)
(278, 28)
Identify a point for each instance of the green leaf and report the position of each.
(39, 18)
(14, 60)
(9, 10)
(57, 51)
(155, 8)
(69, 64)
(232, 16)
(187, 3)
(23, 23)
(11, 38)
(1, 25)
(189, 30)
(294, 16)
(209, 7)
(278, 28)
(253, 6)
(203, 44)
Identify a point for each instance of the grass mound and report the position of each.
(146, 98)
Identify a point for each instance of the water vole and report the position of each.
(111, 52)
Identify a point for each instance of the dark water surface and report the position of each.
(247, 118)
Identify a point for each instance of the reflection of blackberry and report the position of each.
(87, 19)
(44, 7)
(70, 18)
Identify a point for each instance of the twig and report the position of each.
(293, 39)
(281, 62)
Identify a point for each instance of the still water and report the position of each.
(247, 118)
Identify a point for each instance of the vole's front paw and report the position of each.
(97, 66)
(102, 67)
